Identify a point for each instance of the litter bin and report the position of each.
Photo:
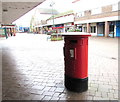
(76, 61)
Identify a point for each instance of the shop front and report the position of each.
(58, 28)
(101, 29)
(68, 26)
(10, 30)
(117, 28)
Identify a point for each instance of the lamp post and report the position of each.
(51, 5)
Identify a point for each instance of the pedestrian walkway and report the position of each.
(33, 69)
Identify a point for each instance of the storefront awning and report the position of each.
(57, 27)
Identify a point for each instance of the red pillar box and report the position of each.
(76, 61)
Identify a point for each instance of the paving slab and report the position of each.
(33, 69)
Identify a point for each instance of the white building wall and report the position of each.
(115, 7)
(98, 20)
(61, 20)
(80, 14)
(96, 11)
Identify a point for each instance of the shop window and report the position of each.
(80, 28)
(111, 28)
(93, 29)
(84, 29)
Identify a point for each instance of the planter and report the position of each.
(56, 37)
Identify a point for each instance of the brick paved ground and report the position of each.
(33, 69)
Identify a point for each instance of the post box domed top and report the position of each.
(76, 34)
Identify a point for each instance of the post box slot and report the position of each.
(73, 41)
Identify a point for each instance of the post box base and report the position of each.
(76, 85)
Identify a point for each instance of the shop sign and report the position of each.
(57, 27)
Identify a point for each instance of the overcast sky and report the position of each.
(65, 5)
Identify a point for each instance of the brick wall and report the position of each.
(106, 12)
(102, 15)
(87, 13)
(107, 9)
